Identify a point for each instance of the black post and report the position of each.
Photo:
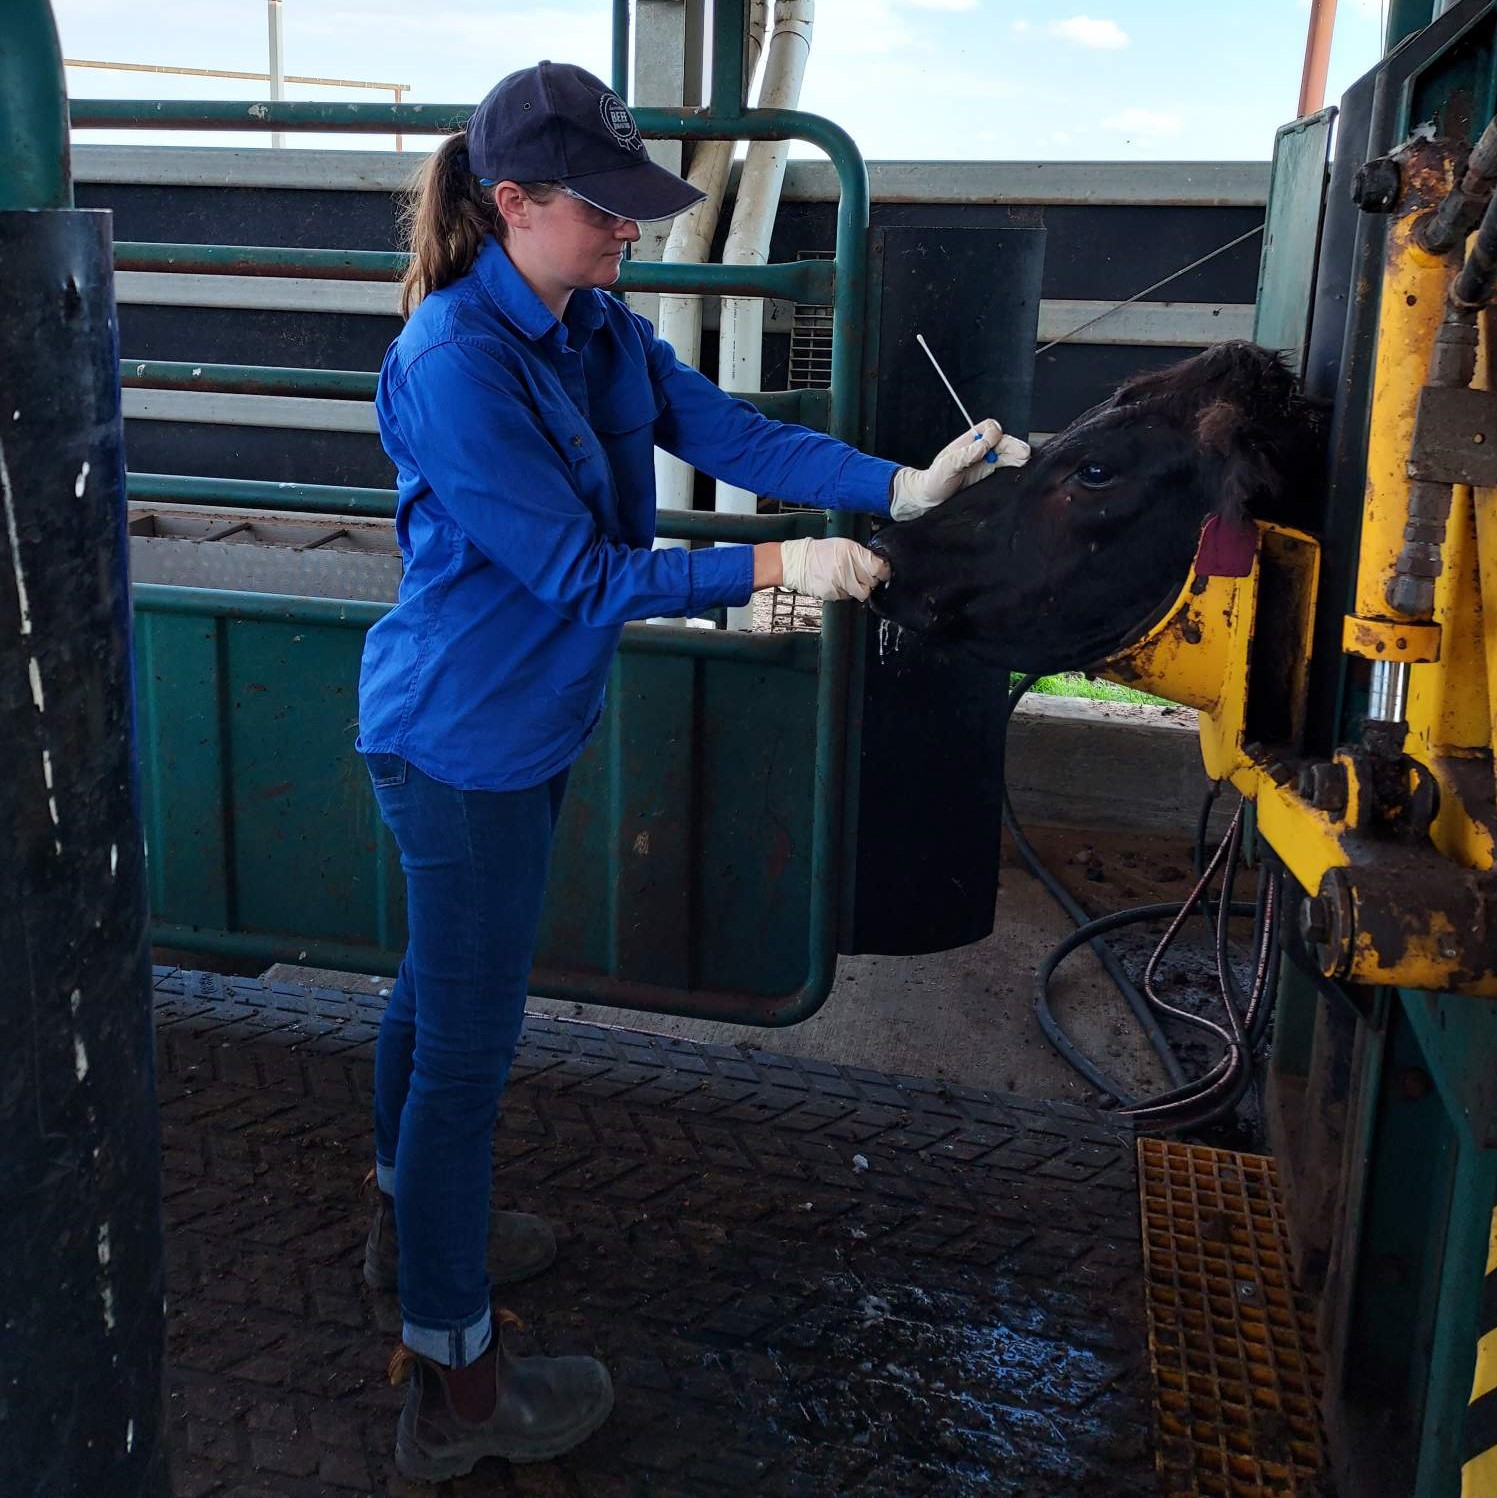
(81, 1314)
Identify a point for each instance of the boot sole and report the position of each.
(386, 1283)
(423, 1466)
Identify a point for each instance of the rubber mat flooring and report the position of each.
(805, 1279)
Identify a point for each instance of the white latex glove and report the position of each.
(831, 567)
(958, 464)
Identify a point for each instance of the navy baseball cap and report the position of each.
(557, 123)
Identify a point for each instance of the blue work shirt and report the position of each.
(526, 511)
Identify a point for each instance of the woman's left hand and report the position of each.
(958, 464)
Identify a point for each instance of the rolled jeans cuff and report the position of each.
(453, 1347)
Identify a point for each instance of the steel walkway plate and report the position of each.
(1232, 1340)
(806, 1279)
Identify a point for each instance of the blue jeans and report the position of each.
(475, 866)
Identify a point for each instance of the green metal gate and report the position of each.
(699, 862)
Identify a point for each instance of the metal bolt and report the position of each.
(1376, 185)
(1414, 1083)
(1328, 788)
(1314, 920)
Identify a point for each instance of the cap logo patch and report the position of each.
(619, 122)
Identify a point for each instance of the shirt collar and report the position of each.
(530, 315)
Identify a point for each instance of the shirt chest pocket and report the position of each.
(625, 408)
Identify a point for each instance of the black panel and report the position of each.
(1073, 377)
(1094, 253)
(929, 805)
(308, 218)
(237, 335)
(280, 455)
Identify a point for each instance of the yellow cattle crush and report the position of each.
(1231, 1340)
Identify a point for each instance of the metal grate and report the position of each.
(1231, 1340)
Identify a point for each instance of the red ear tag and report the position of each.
(1226, 548)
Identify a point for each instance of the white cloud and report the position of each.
(1143, 123)
(1020, 27)
(941, 4)
(1084, 31)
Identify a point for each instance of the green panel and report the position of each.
(690, 872)
(1408, 1192)
(758, 747)
(1294, 1022)
(650, 843)
(1458, 1039)
(1291, 236)
(683, 859)
(299, 795)
(181, 768)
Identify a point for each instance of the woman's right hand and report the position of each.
(825, 567)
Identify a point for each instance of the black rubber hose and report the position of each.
(1473, 286)
(1105, 955)
(1057, 1037)
(1464, 203)
(1187, 1105)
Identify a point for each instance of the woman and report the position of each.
(520, 406)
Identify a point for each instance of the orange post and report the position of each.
(1317, 56)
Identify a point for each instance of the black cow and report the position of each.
(1054, 566)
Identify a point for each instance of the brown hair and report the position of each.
(445, 217)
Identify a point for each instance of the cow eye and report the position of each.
(1094, 475)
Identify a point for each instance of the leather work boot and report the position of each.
(522, 1409)
(520, 1244)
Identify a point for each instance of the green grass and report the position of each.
(1074, 684)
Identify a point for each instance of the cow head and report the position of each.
(1055, 565)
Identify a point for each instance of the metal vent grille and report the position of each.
(1231, 1340)
(811, 339)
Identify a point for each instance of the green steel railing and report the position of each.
(379, 504)
(842, 283)
(849, 271)
(34, 166)
(809, 407)
(797, 281)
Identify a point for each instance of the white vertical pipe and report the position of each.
(680, 317)
(277, 65)
(741, 333)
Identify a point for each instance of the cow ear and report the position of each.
(1247, 474)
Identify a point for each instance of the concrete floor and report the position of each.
(964, 1016)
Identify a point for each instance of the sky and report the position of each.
(1027, 80)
